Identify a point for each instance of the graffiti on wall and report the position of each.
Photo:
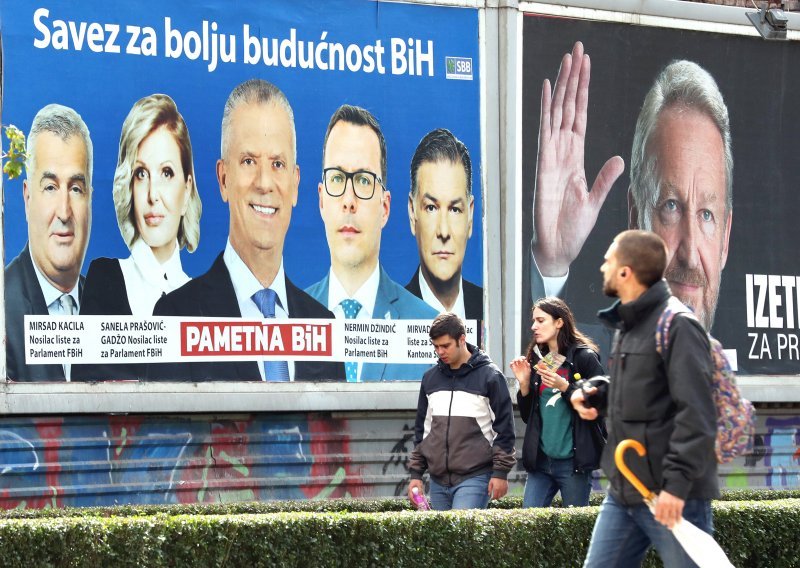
(115, 460)
(398, 460)
(112, 460)
(782, 451)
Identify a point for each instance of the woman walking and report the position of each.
(560, 450)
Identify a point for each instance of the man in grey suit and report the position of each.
(681, 181)
(355, 203)
(45, 278)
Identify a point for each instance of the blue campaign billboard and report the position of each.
(404, 82)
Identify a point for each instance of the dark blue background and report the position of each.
(102, 87)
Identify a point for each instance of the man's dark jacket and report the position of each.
(588, 436)
(666, 404)
(23, 296)
(473, 296)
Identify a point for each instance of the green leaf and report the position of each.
(15, 157)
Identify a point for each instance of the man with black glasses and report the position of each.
(355, 203)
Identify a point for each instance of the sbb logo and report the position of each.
(459, 68)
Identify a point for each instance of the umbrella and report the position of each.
(698, 544)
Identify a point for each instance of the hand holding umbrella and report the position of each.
(699, 545)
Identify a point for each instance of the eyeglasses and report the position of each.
(363, 182)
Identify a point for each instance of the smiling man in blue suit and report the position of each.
(355, 203)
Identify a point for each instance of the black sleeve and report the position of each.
(586, 362)
(104, 291)
(525, 403)
(503, 450)
(690, 373)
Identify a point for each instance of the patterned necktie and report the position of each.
(273, 370)
(67, 305)
(351, 309)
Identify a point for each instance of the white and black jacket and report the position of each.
(465, 422)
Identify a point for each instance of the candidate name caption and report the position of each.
(131, 345)
(773, 303)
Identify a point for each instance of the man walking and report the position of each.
(464, 433)
(664, 403)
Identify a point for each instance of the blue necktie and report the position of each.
(351, 309)
(265, 300)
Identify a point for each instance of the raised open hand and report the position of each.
(564, 210)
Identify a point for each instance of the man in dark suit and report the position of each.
(682, 135)
(354, 204)
(258, 177)
(440, 208)
(46, 276)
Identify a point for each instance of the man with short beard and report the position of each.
(681, 181)
(664, 403)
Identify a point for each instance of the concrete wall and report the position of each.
(79, 461)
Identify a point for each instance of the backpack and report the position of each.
(735, 414)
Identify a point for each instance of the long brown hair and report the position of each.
(568, 335)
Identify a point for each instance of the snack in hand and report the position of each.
(550, 362)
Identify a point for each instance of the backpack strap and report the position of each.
(674, 307)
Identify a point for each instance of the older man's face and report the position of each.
(58, 207)
(258, 179)
(690, 213)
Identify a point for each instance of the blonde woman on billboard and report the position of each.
(158, 211)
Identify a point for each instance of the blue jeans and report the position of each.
(472, 493)
(623, 534)
(554, 475)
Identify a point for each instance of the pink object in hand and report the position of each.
(419, 500)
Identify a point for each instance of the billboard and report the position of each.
(163, 242)
(714, 172)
